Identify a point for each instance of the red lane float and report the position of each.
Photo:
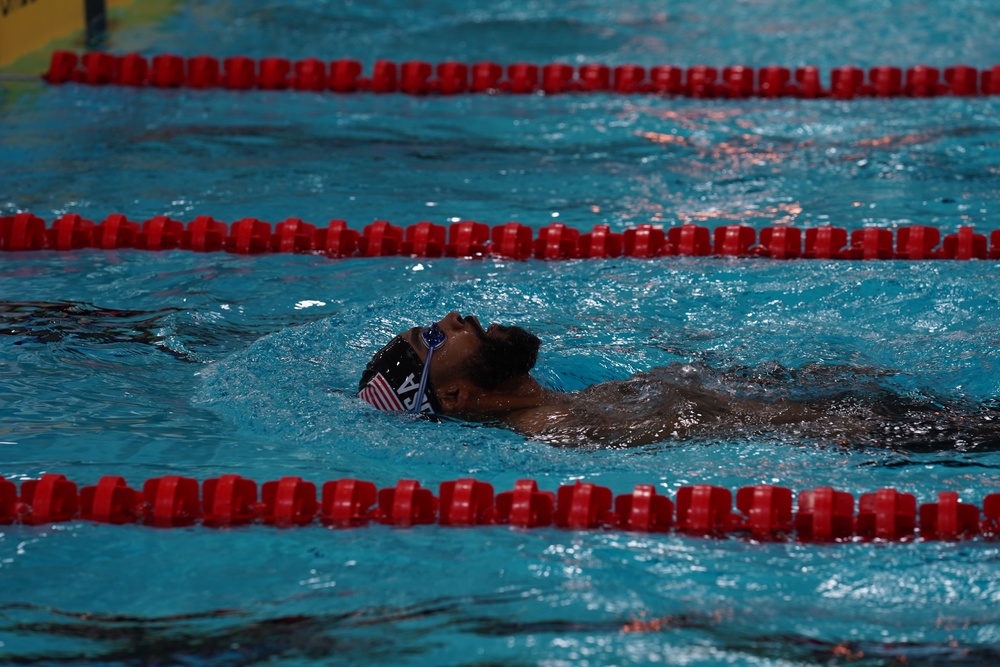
(525, 506)
(762, 512)
(50, 499)
(417, 77)
(512, 240)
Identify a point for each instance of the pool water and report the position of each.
(145, 364)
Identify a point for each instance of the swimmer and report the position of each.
(457, 368)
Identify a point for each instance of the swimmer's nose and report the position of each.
(451, 322)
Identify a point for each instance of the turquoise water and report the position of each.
(146, 364)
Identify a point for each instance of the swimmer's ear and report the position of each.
(455, 397)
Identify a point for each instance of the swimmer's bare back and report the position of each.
(654, 407)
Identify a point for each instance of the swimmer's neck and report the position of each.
(517, 395)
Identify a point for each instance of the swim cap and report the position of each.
(392, 378)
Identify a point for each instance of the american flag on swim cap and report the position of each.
(391, 380)
(380, 393)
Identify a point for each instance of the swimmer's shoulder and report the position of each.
(539, 419)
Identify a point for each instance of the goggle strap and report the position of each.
(419, 400)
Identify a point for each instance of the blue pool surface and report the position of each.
(145, 364)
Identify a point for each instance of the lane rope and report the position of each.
(451, 78)
(512, 240)
(762, 512)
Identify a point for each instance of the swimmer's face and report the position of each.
(487, 356)
(467, 373)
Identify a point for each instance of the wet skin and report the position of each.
(832, 404)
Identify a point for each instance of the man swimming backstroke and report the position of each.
(458, 369)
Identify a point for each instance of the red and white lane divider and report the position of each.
(449, 78)
(27, 232)
(762, 512)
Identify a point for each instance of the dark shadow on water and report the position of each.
(386, 635)
(168, 330)
(48, 322)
